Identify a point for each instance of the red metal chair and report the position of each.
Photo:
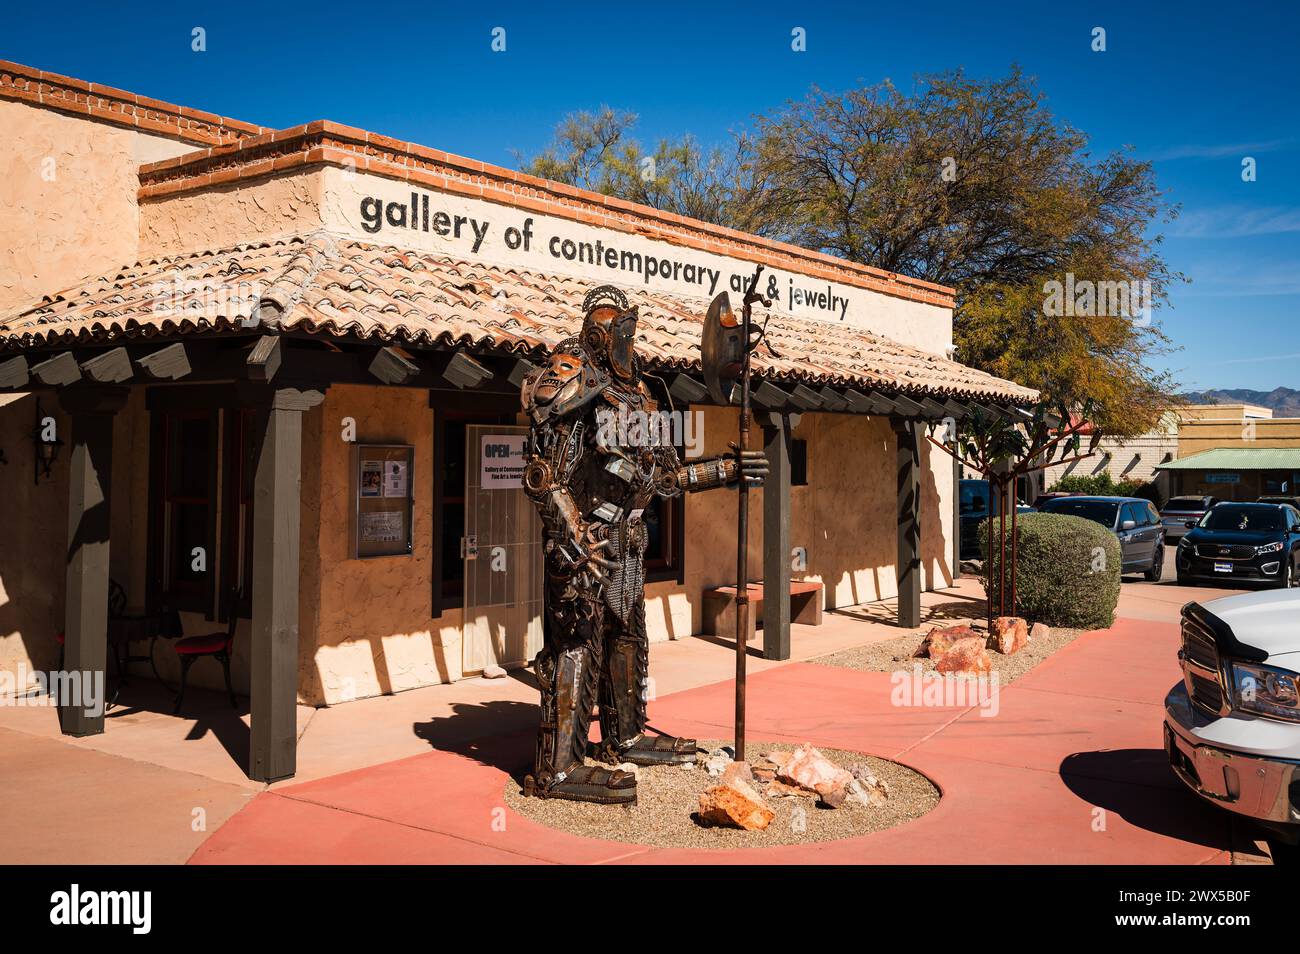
(217, 645)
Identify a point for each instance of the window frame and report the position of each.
(161, 590)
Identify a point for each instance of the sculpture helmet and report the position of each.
(609, 330)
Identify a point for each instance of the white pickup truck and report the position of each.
(1232, 726)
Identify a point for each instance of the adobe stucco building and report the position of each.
(279, 363)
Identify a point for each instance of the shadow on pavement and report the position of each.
(1140, 787)
(499, 734)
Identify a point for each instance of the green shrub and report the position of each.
(1069, 570)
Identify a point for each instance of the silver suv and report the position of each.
(1180, 511)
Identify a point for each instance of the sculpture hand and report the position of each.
(751, 465)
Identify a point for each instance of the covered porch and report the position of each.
(330, 313)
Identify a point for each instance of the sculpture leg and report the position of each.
(568, 668)
(624, 691)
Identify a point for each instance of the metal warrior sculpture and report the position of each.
(591, 483)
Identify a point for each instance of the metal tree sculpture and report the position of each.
(1003, 449)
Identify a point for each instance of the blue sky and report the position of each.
(1194, 86)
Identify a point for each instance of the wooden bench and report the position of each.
(720, 608)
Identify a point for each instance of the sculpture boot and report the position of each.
(567, 678)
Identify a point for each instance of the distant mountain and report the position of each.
(1285, 402)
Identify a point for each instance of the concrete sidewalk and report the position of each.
(416, 776)
(153, 786)
(1070, 770)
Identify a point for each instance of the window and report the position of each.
(201, 505)
(798, 463)
(666, 551)
(237, 507)
(185, 508)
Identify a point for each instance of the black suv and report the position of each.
(1243, 543)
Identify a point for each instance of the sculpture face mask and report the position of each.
(562, 370)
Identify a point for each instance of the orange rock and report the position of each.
(939, 641)
(966, 656)
(1010, 634)
(736, 805)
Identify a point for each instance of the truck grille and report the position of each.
(1203, 687)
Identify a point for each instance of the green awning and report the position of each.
(1238, 458)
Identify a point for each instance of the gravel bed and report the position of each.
(668, 797)
(896, 654)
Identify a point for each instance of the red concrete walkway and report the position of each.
(1070, 770)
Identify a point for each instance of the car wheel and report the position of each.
(1185, 580)
(1157, 566)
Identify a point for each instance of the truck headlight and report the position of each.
(1266, 690)
(1268, 548)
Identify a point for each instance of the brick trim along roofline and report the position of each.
(329, 143)
(237, 151)
(97, 101)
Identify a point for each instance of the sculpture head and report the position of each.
(560, 374)
(609, 330)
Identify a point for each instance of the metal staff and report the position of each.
(742, 519)
(726, 350)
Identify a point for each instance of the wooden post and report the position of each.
(956, 519)
(276, 515)
(776, 537)
(85, 620)
(909, 524)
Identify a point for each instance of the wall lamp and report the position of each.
(47, 451)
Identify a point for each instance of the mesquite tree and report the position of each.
(1003, 449)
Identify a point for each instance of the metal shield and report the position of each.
(723, 349)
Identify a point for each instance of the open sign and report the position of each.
(501, 461)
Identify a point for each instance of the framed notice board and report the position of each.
(381, 499)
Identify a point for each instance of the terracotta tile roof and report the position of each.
(325, 285)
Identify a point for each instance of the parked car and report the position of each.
(1180, 510)
(1282, 499)
(1243, 543)
(1134, 520)
(1054, 495)
(1232, 725)
(973, 509)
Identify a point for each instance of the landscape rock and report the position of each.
(737, 772)
(494, 672)
(717, 762)
(1039, 631)
(779, 789)
(939, 641)
(967, 656)
(868, 789)
(1009, 635)
(810, 770)
(737, 805)
(834, 796)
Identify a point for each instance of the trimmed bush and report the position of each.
(1069, 569)
(1104, 485)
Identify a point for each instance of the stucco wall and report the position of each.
(221, 216)
(69, 209)
(370, 630)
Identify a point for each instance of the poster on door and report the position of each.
(501, 461)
